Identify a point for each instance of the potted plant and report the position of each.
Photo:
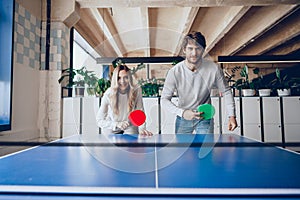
(79, 86)
(261, 84)
(283, 84)
(79, 78)
(151, 87)
(101, 86)
(244, 84)
(90, 80)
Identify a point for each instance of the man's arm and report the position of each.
(167, 94)
(232, 124)
(229, 100)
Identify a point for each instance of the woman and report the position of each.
(118, 101)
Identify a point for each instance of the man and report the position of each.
(193, 80)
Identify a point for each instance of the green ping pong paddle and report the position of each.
(207, 109)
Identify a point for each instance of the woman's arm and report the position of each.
(101, 118)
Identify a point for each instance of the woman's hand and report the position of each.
(123, 125)
(145, 133)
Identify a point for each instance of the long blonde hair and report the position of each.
(132, 91)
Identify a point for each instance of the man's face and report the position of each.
(193, 52)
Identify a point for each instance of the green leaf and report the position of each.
(256, 70)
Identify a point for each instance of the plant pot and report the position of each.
(248, 92)
(283, 92)
(264, 92)
(79, 91)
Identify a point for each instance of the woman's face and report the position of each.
(123, 81)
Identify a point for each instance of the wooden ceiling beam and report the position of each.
(222, 27)
(181, 3)
(186, 27)
(290, 47)
(92, 33)
(144, 15)
(214, 33)
(82, 28)
(107, 14)
(105, 30)
(91, 39)
(150, 27)
(249, 27)
(166, 29)
(279, 34)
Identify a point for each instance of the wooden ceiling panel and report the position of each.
(229, 18)
(190, 17)
(181, 3)
(290, 47)
(255, 22)
(130, 27)
(109, 29)
(279, 34)
(167, 27)
(89, 28)
(151, 28)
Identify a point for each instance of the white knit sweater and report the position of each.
(107, 120)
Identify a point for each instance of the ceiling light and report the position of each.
(108, 60)
(259, 59)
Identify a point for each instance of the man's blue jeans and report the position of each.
(201, 126)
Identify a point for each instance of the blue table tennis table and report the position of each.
(164, 166)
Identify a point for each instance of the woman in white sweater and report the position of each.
(117, 103)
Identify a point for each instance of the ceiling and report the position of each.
(155, 28)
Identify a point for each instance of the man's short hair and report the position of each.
(196, 37)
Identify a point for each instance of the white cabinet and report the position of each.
(291, 119)
(71, 116)
(271, 119)
(151, 106)
(216, 103)
(291, 110)
(261, 116)
(79, 116)
(90, 106)
(168, 119)
(251, 117)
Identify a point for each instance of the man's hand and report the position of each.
(123, 125)
(232, 124)
(189, 115)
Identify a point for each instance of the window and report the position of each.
(6, 42)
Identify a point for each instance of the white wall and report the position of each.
(25, 103)
(26, 85)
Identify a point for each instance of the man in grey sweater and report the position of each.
(193, 80)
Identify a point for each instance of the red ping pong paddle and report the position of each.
(137, 117)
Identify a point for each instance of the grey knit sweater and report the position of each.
(193, 88)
